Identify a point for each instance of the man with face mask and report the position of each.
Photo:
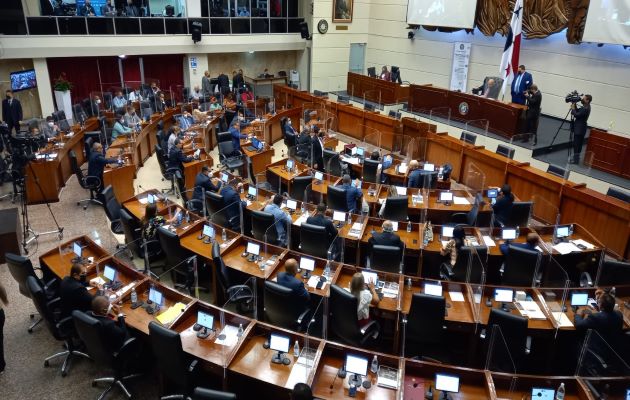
(97, 163)
(195, 94)
(119, 101)
(119, 127)
(73, 293)
(114, 331)
(95, 106)
(131, 10)
(580, 116)
(131, 118)
(50, 129)
(12, 112)
(186, 120)
(87, 10)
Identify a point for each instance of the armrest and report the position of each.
(171, 170)
(54, 302)
(597, 357)
(370, 326)
(303, 316)
(460, 218)
(241, 290)
(193, 365)
(65, 325)
(528, 345)
(91, 177)
(130, 345)
(148, 242)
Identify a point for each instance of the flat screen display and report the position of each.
(208, 231)
(508, 233)
(224, 177)
(76, 248)
(446, 196)
(428, 167)
(339, 216)
(251, 191)
(109, 273)
(319, 176)
(503, 295)
(579, 299)
(492, 193)
(563, 231)
(543, 394)
(289, 164)
(360, 151)
(447, 13)
(356, 365)
(447, 231)
(447, 383)
(307, 263)
(156, 296)
(433, 289)
(291, 204)
(369, 277)
(204, 319)
(253, 248)
(23, 80)
(279, 343)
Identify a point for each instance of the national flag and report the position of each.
(512, 49)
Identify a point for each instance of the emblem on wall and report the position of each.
(463, 108)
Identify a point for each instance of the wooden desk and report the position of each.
(192, 168)
(532, 324)
(520, 386)
(387, 303)
(273, 127)
(459, 313)
(611, 153)
(232, 257)
(58, 260)
(376, 90)
(137, 204)
(258, 159)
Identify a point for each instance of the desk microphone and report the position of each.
(341, 374)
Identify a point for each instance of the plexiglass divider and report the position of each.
(541, 210)
(478, 127)
(440, 114)
(477, 285)
(554, 292)
(371, 139)
(600, 356)
(500, 355)
(372, 100)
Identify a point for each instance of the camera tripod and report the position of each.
(571, 123)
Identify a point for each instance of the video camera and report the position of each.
(573, 97)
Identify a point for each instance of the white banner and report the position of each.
(459, 72)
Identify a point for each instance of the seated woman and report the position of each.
(452, 246)
(365, 295)
(152, 221)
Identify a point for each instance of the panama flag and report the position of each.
(509, 61)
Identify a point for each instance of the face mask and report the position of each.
(51, 124)
(98, 102)
(83, 278)
(8, 97)
(289, 122)
(109, 308)
(241, 118)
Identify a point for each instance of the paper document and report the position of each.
(530, 309)
(444, 242)
(401, 191)
(355, 230)
(562, 319)
(390, 290)
(460, 200)
(302, 219)
(143, 200)
(387, 377)
(456, 296)
(402, 169)
(299, 374)
(231, 336)
(314, 280)
(583, 243)
(488, 241)
(171, 313)
(566, 248)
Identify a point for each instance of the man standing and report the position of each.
(534, 99)
(235, 132)
(317, 149)
(238, 80)
(131, 10)
(520, 84)
(224, 83)
(97, 163)
(12, 112)
(281, 218)
(353, 194)
(579, 125)
(206, 86)
(87, 10)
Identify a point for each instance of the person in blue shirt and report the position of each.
(119, 101)
(231, 201)
(415, 175)
(503, 207)
(120, 128)
(530, 244)
(97, 163)
(353, 194)
(235, 131)
(288, 280)
(186, 121)
(281, 218)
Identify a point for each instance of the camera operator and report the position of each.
(579, 125)
(534, 99)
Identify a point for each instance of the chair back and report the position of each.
(90, 331)
(110, 204)
(521, 266)
(514, 331)
(37, 294)
(214, 203)
(557, 171)
(226, 148)
(425, 321)
(468, 137)
(224, 137)
(170, 358)
(614, 273)
(281, 307)
(314, 240)
(75, 168)
(129, 226)
(396, 208)
(429, 179)
(261, 222)
(505, 151)
(332, 162)
(464, 255)
(89, 141)
(519, 216)
(159, 153)
(223, 273)
(20, 269)
(618, 194)
(336, 198)
(209, 394)
(386, 258)
(175, 253)
(181, 186)
(298, 187)
(370, 169)
(343, 315)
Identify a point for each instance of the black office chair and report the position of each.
(370, 170)
(112, 209)
(191, 204)
(218, 214)
(229, 157)
(520, 214)
(224, 137)
(209, 394)
(396, 208)
(91, 183)
(314, 240)
(618, 194)
(62, 122)
(298, 187)
(92, 335)
(235, 293)
(614, 273)
(512, 338)
(425, 334)
(386, 258)
(20, 269)
(344, 322)
(336, 198)
(332, 162)
(134, 242)
(167, 173)
(557, 171)
(461, 272)
(62, 330)
(176, 257)
(261, 224)
(175, 365)
(469, 218)
(505, 151)
(79, 113)
(468, 137)
(520, 267)
(283, 309)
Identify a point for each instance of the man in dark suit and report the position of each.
(12, 112)
(176, 157)
(288, 280)
(530, 244)
(87, 10)
(160, 103)
(109, 9)
(238, 81)
(73, 293)
(415, 177)
(320, 219)
(231, 200)
(522, 81)
(385, 238)
(580, 123)
(224, 83)
(203, 181)
(235, 133)
(608, 322)
(131, 10)
(97, 163)
(353, 194)
(489, 89)
(114, 331)
(534, 99)
(317, 149)
(303, 142)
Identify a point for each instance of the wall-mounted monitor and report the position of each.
(23, 80)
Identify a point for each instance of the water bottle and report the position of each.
(296, 349)
(408, 226)
(327, 271)
(408, 283)
(303, 209)
(240, 330)
(349, 218)
(242, 190)
(374, 366)
(560, 392)
(134, 296)
(224, 235)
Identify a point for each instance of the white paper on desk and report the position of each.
(531, 310)
(302, 219)
(562, 319)
(351, 160)
(143, 200)
(488, 241)
(539, 249)
(444, 242)
(355, 230)
(314, 280)
(401, 190)
(460, 200)
(402, 169)
(248, 202)
(566, 248)
(583, 243)
(456, 296)
(299, 374)
(231, 336)
(381, 201)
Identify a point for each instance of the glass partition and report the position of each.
(242, 298)
(478, 127)
(501, 352)
(554, 292)
(541, 209)
(372, 100)
(600, 355)
(440, 114)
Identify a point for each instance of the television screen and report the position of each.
(23, 80)
(449, 13)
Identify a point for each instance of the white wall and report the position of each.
(557, 66)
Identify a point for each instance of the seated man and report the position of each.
(176, 157)
(489, 89)
(320, 219)
(304, 142)
(119, 101)
(186, 120)
(51, 129)
(73, 293)
(231, 201)
(114, 332)
(530, 244)
(195, 94)
(131, 118)
(353, 194)
(160, 103)
(203, 181)
(608, 322)
(281, 218)
(97, 163)
(119, 127)
(415, 178)
(288, 280)
(385, 238)
(214, 104)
